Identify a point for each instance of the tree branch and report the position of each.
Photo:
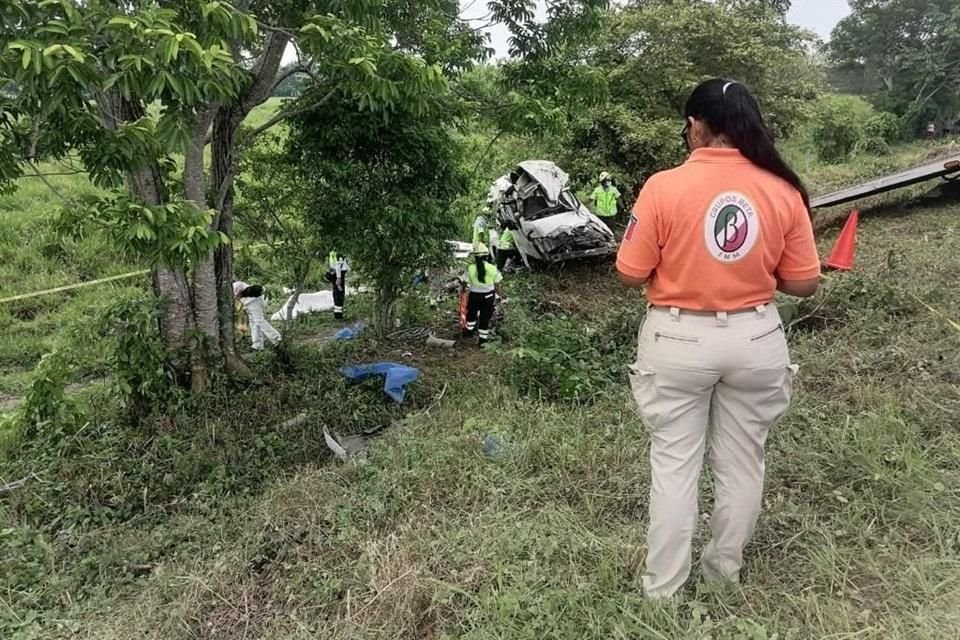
(284, 114)
(294, 70)
(43, 177)
(265, 71)
(55, 173)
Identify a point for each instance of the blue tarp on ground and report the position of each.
(351, 332)
(396, 376)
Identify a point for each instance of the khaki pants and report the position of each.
(728, 371)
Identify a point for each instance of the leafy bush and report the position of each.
(884, 125)
(142, 373)
(46, 401)
(837, 128)
(619, 140)
(561, 360)
(873, 146)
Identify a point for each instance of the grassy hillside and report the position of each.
(227, 521)
(33, 257)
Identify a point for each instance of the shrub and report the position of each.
(618, 140)
(837, 129)
(884, 125)
(873, 146)
(561, 360)
(141, 367)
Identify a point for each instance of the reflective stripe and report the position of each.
(471, 326)
(482, 288)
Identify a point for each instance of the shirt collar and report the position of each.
(717, 155)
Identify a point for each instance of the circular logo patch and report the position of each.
(730, 227)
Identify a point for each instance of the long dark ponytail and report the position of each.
(481, 267)
(730, 109)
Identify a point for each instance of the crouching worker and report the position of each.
(482, 280)
(337, 269)
(251, 297)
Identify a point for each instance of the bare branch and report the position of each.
(55, 173)
(294, 70)
(43, 177)
(284, 114)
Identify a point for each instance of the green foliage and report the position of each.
(905, 53)
(140, 364)
(873, 146)
(59, 54)
(837, 128)
(559, 359)
(621, 138)
(271, 209)
(379, 190)
(174, 234)
(655, 53)
(884, 125)
(45, 402)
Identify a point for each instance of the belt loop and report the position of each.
(761, 310)
(675, 314)
(721, 318)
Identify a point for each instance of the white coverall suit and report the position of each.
(260, 327)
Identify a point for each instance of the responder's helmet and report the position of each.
(480, 249)
(605, 177)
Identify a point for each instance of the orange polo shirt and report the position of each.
(714, 233)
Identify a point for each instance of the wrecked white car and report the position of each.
(550, 224)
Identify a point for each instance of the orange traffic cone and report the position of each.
(463, 309)
(841, 257)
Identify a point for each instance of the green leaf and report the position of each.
(121, 21)
(26, 57)
(73, 52)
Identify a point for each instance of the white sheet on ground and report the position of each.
(313, 302)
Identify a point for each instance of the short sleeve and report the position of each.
(639, 252)
(799, 260)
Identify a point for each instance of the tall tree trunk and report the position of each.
(169, 285)
(224, 131)
(207, 337)
(226, 122)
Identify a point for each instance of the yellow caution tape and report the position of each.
(69, 287)
(953, 323)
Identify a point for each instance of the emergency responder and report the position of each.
(481, 234)
(337, 269)
(482, 280)
(606, 197)
(251, 297)
(713, 240)
(506, 249)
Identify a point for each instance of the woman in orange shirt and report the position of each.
(712, 240)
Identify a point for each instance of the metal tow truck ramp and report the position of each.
(944, 168)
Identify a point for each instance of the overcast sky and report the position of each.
(820, 16)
